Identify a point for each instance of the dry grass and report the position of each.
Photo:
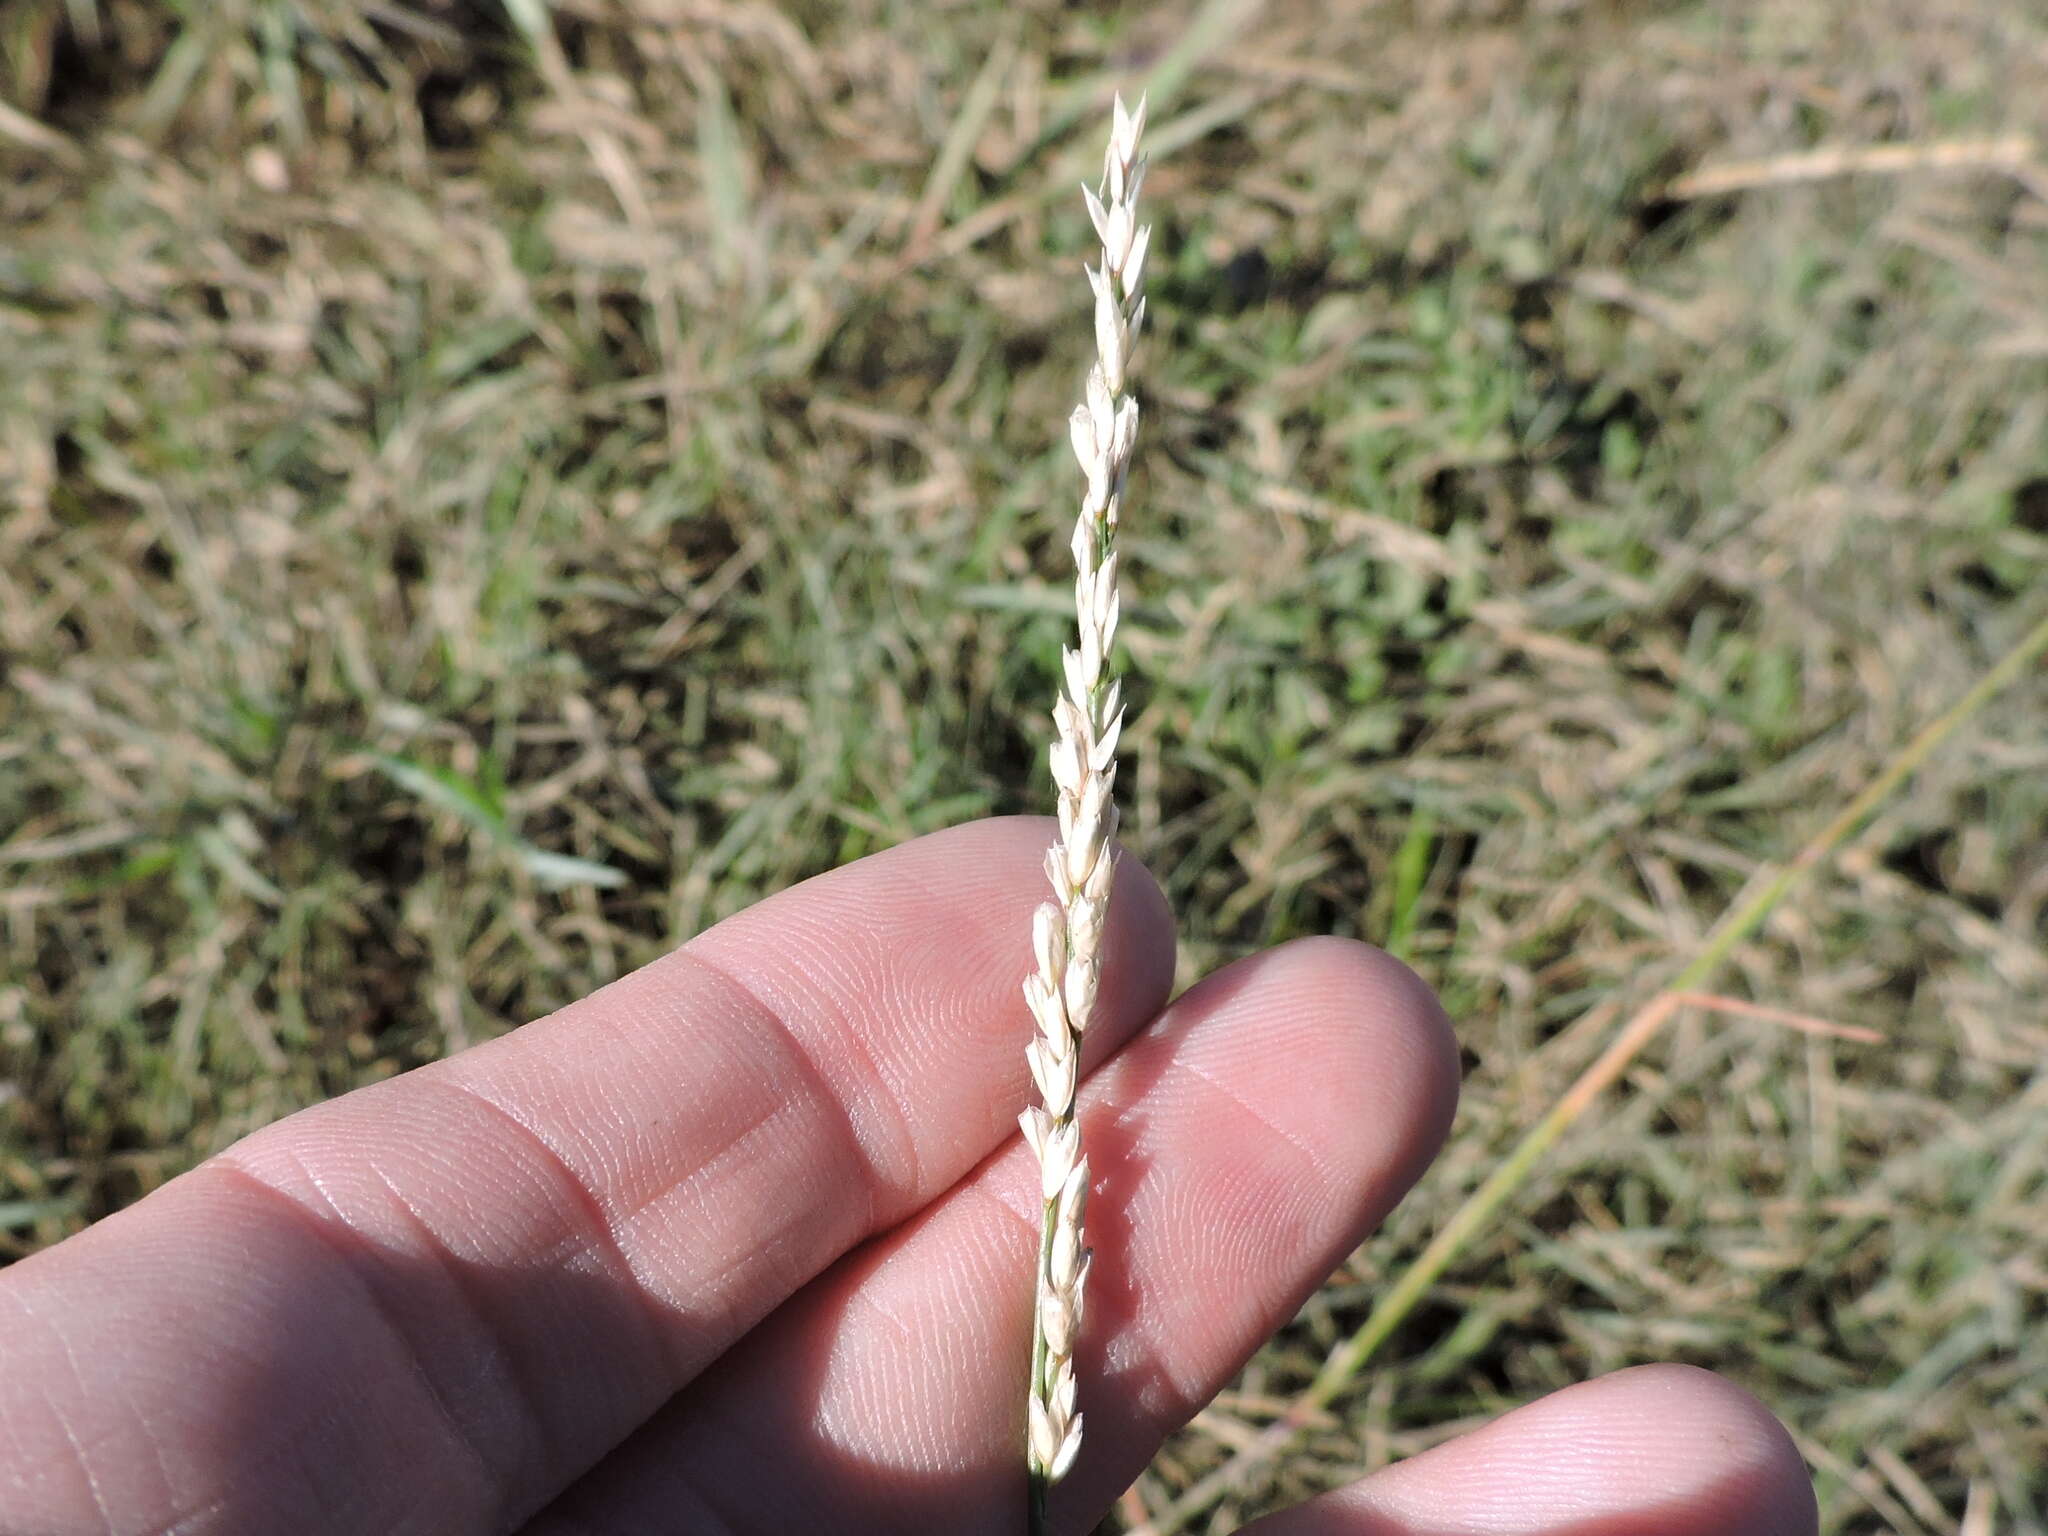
(468, 517)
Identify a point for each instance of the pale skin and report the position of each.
(743, 1243)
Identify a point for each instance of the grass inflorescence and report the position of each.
(1067, 932)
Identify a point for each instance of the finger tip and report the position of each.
(1141, 926)
(1003, 857)
(1763, 1481)
(1374, 1074)
(1658, 1450)
(949, 912)
(1315, 1083)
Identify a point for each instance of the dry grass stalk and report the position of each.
(1067, 931)
(2009, 152)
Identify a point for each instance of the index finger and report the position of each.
(430, 1304)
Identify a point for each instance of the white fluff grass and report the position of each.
(1066, 932)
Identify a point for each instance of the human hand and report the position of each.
(742, 1243)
